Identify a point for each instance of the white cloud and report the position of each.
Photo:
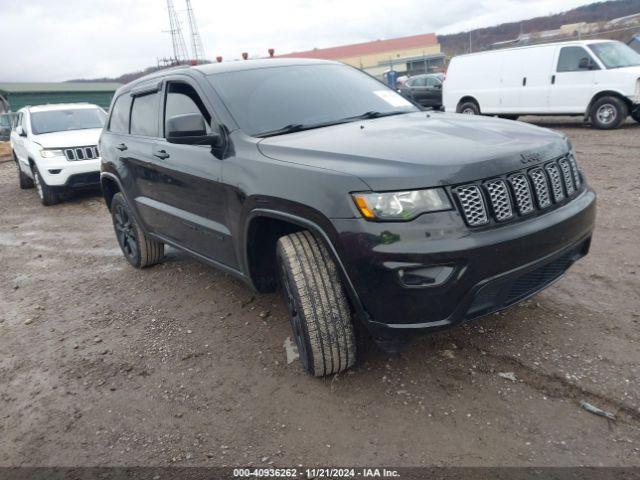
(46, 40)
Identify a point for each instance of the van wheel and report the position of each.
(139, 250)
(608, 113)
(48, 196)
(469, 108)
(636, 115)
(23, 178)
(318, 307)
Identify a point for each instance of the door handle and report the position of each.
(553, 79)
(122, 147)
(161, 154)
(524, 81)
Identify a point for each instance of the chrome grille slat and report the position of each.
(574, 171)
(556, 183)
(500, 200)
(89, 152)
(473, 206)
(522, 193)
(567, 176)
(541, 187)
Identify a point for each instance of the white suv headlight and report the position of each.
(401, 205)
(50, 153)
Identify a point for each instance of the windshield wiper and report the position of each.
(299, 127)
(292, 127)
(374, 114)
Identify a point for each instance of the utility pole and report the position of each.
(196, 40)
(179, 48)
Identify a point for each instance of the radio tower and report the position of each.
(196, 41)
(179, 48)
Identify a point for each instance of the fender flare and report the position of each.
(606, 93)
(132, 206)
(321, 234)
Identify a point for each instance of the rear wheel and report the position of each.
(318, 307)
(23, 178)
(608, 113)
(48, 196)
(469, 108)
(139, 250)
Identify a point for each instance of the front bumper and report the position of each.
(484, 271)
(60, 172)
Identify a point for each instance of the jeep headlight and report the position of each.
(401, 205)
(50, 153)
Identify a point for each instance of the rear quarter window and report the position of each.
(144, 115)
(119, 122)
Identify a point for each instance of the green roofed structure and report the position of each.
(14, 96)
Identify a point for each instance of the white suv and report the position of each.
(55, 147)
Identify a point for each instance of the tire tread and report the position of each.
(324, 305)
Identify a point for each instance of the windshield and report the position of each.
(63, 120)
(271, 99)
(615, 54)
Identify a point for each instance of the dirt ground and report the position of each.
(101, 364)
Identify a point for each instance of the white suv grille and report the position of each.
(82, 153)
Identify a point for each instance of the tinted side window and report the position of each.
(420, 82)
(119, 122)
(432, 82)
(144, 115)
(183, 99)
(570, 57)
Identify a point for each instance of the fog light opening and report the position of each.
(425, 276)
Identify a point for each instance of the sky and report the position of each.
(51, 40)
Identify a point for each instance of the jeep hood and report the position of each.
(419, 150)
(70, 138)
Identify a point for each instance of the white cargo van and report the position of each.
(598, 79)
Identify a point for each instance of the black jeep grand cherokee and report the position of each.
(316, 177)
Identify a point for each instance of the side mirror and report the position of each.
(20, 131)
(191, 129)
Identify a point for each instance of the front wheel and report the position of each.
(48, 196)
(469, 108)
(318, 307)
(139, 250)
(608, 113)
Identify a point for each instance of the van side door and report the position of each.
(536, 70)
(573, 80)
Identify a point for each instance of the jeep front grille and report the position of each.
(541, 187)
(521, 193)
(472, 204)
(499, 198)
(82, 153)
(567, 176)
(556, 184)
